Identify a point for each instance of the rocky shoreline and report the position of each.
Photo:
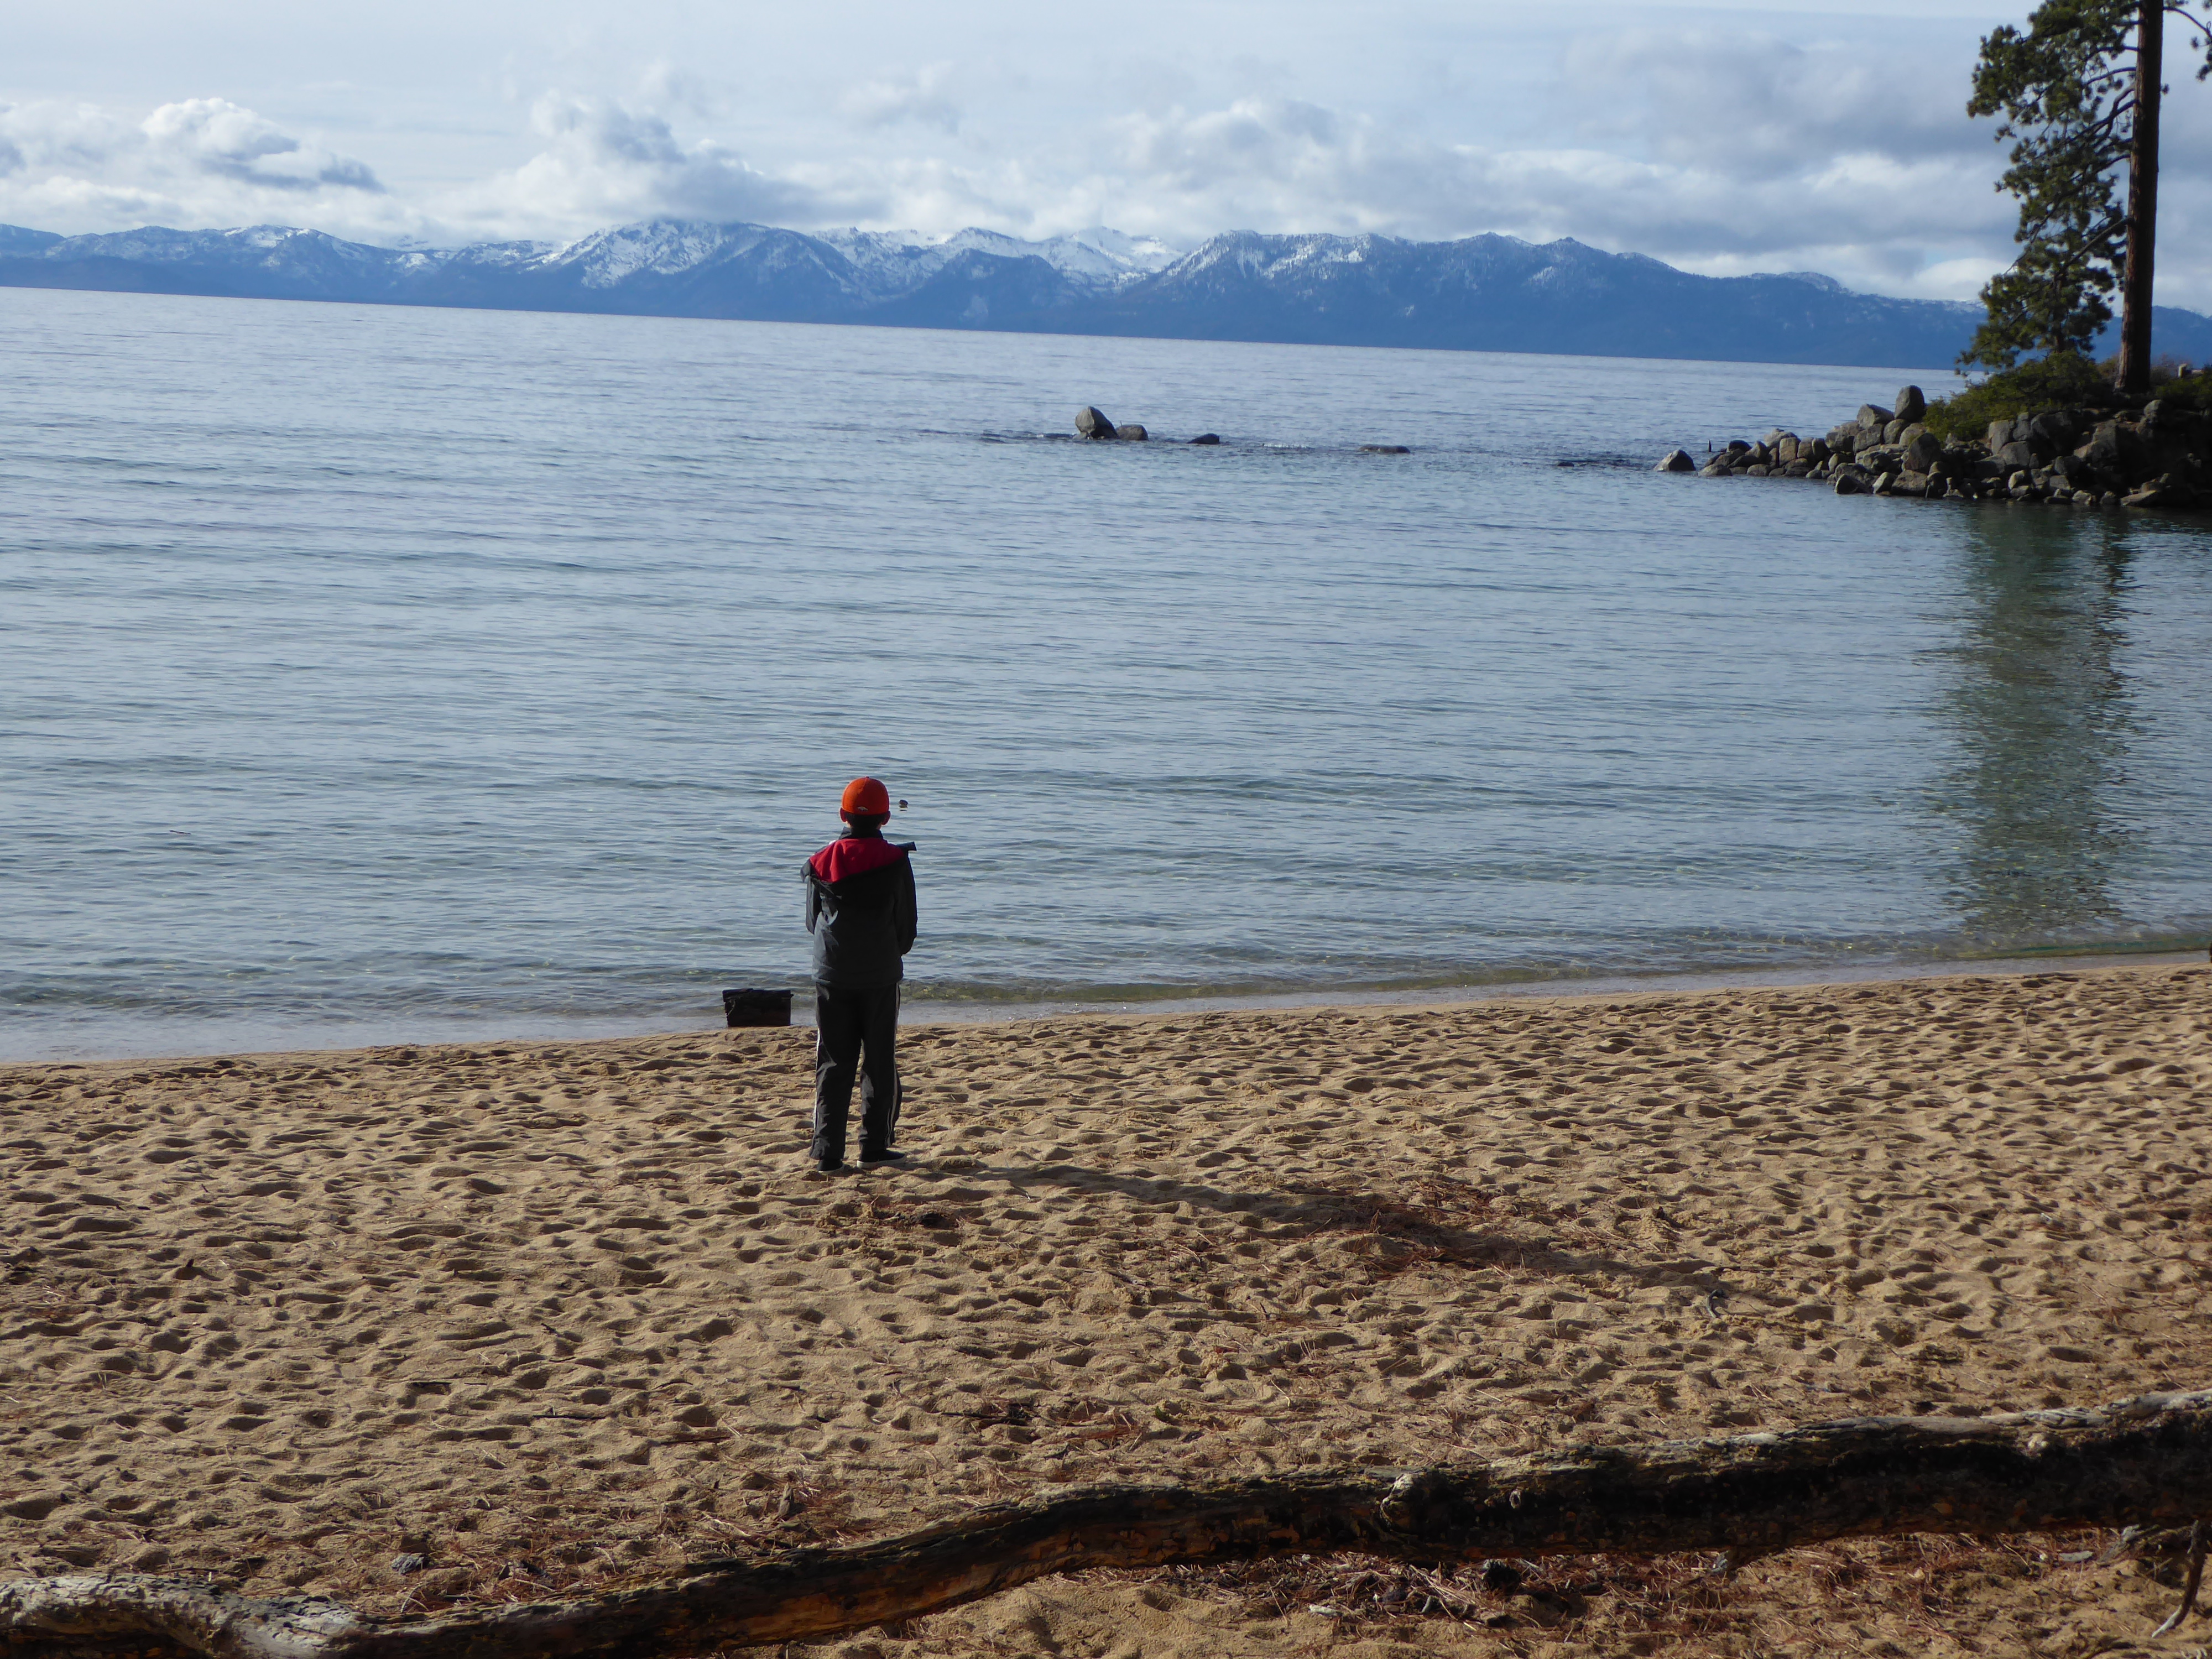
(2157, 456)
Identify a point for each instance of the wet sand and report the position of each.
(557, 1316)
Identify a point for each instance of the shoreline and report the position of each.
(925, 1013)
(1552, 990)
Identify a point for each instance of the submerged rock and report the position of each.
(1207, 438)
(1384, 449)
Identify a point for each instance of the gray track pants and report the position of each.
(855, 1031)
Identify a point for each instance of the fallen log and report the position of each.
(2146, 1461)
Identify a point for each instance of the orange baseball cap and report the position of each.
(868, 797)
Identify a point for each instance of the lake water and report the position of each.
(370, 673)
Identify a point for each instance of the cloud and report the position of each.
(1721, 152)
(919, 98)
(85, 167)
(1758, 104)
(217, 136)
(1872, 215)
(205, 161)
(601, 163)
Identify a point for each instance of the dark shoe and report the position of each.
(829, 1165)
(885, 1157)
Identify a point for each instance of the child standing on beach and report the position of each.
(860, 909)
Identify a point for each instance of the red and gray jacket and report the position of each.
(859, 908)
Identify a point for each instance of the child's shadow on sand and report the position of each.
(1435, 1220)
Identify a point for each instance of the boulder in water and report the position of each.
(1384, 449)
(1207, 438)
(1912, 404)
(1092, 423)
(2164, 491)
(1130, 432)
(1676, 460)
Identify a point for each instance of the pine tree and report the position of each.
(2079, 92)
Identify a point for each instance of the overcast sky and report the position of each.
(1725, 139)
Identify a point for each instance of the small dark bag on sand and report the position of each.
(756, 1008)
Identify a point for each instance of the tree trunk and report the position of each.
(2142, 200)
(2146, 1461)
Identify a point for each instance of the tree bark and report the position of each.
(2142, 201)
(2146, 1461)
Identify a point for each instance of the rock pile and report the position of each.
(2154, 456)
(1092, 423)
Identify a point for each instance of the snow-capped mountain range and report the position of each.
(876, 263)
(1480, 293)
(903, 259)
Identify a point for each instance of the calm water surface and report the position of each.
(375, 672)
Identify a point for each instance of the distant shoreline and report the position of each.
(1487, 293)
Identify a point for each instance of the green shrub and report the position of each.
(2055, 382)
(2060, 381)
(2195, 392)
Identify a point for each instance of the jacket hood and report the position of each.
(854, 855)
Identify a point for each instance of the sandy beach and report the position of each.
(559, 1316)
